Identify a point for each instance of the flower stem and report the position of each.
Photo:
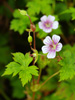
(29, 19)
(50, 78)
(33, 97)
(59, 56)
(39, 76)
(34, 40)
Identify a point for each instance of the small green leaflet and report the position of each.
(20, 66)
(68, 65)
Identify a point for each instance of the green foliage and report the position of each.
(20, 23)
(64, 12)
(42, 61)
(68, 88)
(59, 8)
(20, 66)
(68, 64)
(70, 10)
(37, 6)
(52, 97)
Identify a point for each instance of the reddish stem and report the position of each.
(39, 77)
(34, 40)
(34, 47)
(30, 19)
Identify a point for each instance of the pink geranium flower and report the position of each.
(51, 46)
(48, 23)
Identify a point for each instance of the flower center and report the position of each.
(47, 24)
(53, 47)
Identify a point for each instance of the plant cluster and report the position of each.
(42, 23)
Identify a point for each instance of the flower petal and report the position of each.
(55, 25)
(51, 54)
(47, 30)
(51, 18)
(56, 38)
(40, 25)
(59, 47)
(47, 40)
(44, 18)
(45, 49)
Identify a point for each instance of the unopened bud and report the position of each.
(23, 12)
(33, 28)
(30, 38)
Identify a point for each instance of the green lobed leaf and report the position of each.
(20, 66)
(68, 65)
(36, 6)
(26, 74)
(12, 68)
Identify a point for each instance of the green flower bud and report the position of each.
(30, 39)
(23, 12)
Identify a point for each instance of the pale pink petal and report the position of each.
(56, 38)
(40, 25)
(51, 54)
(51, 18)
(44, 18)
(45, 49)
(47, 30)
(47, 40)
(59, 47)
(55, 25)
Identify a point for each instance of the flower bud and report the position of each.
(23, 12)
(30, 38)
(33, 28)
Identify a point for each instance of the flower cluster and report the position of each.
(51, 45)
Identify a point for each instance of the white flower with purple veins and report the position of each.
(48, 23)
(51, 46)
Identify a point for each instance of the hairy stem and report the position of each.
(50, 78)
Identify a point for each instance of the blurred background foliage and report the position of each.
(13, 38)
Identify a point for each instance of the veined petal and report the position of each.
(56, 38)
(40, 25)
(51, 18)
(59, 47)
(51, 54)
(55, 25)
(45, 49)
(47, 30)
(47, 40)
(44, 18)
